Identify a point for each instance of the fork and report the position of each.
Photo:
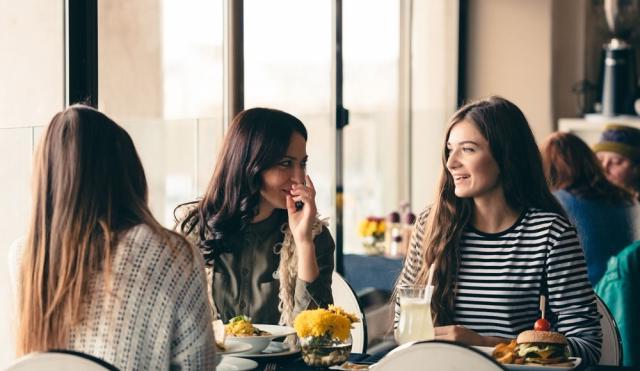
(271, 366)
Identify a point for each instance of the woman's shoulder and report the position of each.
(157, 245)
(538, 217)
(323, 239)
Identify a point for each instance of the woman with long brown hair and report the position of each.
(606, 216)
(269, 255)
(98, 274)
(496, 239)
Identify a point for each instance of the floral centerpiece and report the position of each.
(372, 230)
(325, 335)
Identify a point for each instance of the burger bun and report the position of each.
(546, 337)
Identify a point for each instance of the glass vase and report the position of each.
(324, 351)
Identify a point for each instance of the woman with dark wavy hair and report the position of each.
(496, 239)
(97, 273)
(606, 216)
(269, 255)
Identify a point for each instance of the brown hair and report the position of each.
(88, 186)
(514, 149)
(570, 164)
(257, 139)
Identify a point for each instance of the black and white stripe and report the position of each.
(502, 275)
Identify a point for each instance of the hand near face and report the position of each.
(301, 221)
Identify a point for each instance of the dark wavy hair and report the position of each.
(514, 149)
(257, 139)
(570, 164)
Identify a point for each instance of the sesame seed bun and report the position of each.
(548, 337)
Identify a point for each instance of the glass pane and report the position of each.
(160, 76)
(288, 67)
(372, 155)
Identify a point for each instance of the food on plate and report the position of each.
(242, 326)
(219, 334)
(507, 353)
(542, 325)
(543, 347)
(354, 366)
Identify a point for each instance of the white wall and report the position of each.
(509, 53)
(32, 76)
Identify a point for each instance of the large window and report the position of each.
(288, 67)
(160, 76)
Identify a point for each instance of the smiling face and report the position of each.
(475, 172)
(618, 168)
(277, 180)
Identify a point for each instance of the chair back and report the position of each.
(62, 360)
(438, 355)
(345, 297)
(611, 352)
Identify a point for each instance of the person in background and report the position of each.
(606, 216)
(619, 153)
(269, 255)
(496, 239)
(618, 289)
(97, 273)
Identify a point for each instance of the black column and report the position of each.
(82, 43)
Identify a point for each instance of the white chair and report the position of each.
(436, 355)
(611, 353)
(60, 361)
(345, 297)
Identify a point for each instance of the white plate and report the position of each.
(232, 346)
(275, 349)
(576, 363)
(236, 364)
(258, 343)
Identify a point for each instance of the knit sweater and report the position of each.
(156, 316)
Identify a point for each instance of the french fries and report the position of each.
(506, 353)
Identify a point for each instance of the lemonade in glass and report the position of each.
(415, 315)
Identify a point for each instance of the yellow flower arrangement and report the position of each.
(332, 323)
(372, 227)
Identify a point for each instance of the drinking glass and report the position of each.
(415, 315)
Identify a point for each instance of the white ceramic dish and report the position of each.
(232, 346)
(576, 363)
(236, 364)
(275, 349)
(259, 343)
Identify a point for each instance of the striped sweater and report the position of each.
(502, 275)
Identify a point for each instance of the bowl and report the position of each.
(259, 343)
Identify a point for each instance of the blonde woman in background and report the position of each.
(97, 273)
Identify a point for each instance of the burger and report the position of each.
(543, 347)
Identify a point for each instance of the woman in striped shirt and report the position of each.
(497, 239)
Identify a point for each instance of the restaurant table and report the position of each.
(295, 362)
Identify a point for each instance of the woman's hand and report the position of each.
(301, 224)
(465, 336)
(301, 221)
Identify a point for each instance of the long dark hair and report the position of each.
(514, 149)
(257, 139)
(570, 164)
(88, 186)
